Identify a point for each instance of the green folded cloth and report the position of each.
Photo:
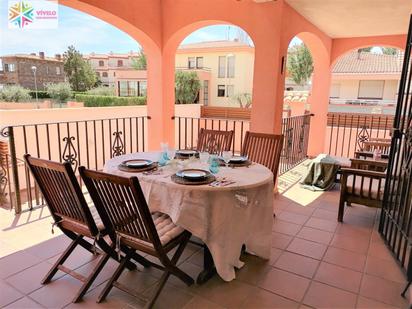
(321, 173)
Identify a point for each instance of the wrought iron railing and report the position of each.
(87, 142)
(346, 133)
(295, 130)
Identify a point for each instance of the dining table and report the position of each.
(226, 218)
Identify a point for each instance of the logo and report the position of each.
(33, 14)
(21, 14)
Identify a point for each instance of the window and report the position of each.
(119, 63)
(9, 67)
(205, 92)
(101, 63)
(114, 74)
(371, 89)
(132, 88)
(58, 71)
(230, 89)
(221, 90)
(199, 62)
(98, 74)
(191, 62)
(335, 91)
(104, 74)
(222, 67)
(231, 66)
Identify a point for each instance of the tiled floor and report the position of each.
(315, 262)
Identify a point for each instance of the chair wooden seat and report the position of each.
(130, 225)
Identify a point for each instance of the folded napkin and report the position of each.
(222, 182)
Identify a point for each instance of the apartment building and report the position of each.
(107, 66)
(18, 70)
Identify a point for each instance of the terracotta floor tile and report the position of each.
(29, 279)
(378, 249)
(264, 299)
(382, 290)
(280, 241)
(16, 262)
(366, 303)
(324, 296)
(292, 217)
(307, 248)
(345, 258)
(339, 277)
(299, 209)
(321, 224)
(49, 248)
(285, 284)
(385, 269)
(251, 273)
(8, 294)
(325, 214)
(23, 303)
(297, 264)
(362, 211)
(286, 227)
(198, 302)
(330, 206)
(355, 244)
(191, 269)
(226, 294)
(170, 297)
(359, 221)
(353, 231)
(315, 235)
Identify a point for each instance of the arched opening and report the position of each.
(214, 68)
(298, 80)
(366, 80)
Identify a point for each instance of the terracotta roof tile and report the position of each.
(368, 63)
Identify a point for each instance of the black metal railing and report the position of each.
(295, 130)
(346, 133)
(87, 142)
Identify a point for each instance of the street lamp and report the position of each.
(34, 69)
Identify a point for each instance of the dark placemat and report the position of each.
(125, 168)
(184, 181)
(243, 164)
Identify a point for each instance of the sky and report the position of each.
(87, 33)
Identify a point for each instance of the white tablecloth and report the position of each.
(224, 218)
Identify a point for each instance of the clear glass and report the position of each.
(204, 157)
(171, 153)
(226, 155)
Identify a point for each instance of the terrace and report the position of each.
(315, 261)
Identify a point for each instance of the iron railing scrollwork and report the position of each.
(87, 142)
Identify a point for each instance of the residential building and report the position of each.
(366, 78)
(18, 70)
(107, 66)
(225, 69)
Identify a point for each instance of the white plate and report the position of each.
(238, 159)
(187, 152)
(193, 174)
(138, 163)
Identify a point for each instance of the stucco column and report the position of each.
(319, 103)
(160, 99)
(266, 108)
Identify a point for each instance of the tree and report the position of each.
(365, 50)
(389, 51)
(243, 99)
(61, 92)
(299, 64)
(78, 71)
(187, 86)
(14, 93)
(139, 62)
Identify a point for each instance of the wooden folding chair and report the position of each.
(74, 217)
(122, 206)
(264, 149)
(214, 141)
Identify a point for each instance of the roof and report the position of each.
(214, 44)
(110, 55)
(29, 56)
(368, 63)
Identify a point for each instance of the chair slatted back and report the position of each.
(61, 191)
(214, 141)
(264, 149)
(121, 205)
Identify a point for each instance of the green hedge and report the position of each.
(99, 101)
(40, 94)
